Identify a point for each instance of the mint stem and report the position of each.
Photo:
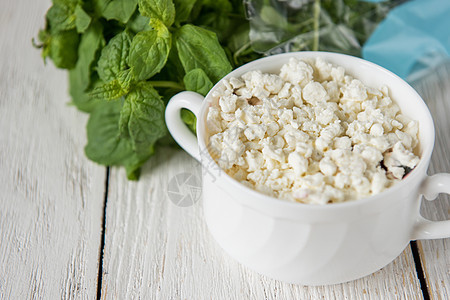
(167, 84)
(239, 51)
(315, 46)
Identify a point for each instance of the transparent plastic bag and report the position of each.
(278, 26)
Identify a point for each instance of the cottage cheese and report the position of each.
(311, 134)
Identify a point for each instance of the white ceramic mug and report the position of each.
(313, 244)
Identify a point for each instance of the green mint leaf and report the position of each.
(120, 10)
(81, 99)
(91, 42)
(189, 118)
(63, 49)
(199, 48)
(44, 38)
(223, 6)
(134, 170)
(124, 119)
(138, 23)
(163, 10)
(113, 58)
(71, 3)
(183, 9)
(114, 89)
(61, 17)
(105, 146)
(142, 118)
(173, 66)
(126, 79)
(196, 80)
(108, 91)
(149, 52)
(97, 7)
(82, 19)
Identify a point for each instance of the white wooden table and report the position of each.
(72, 229)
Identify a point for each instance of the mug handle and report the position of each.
(179, 131)
(426, 229)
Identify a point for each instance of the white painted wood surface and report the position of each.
(51, 205)
(157, 250)
(435, 254)
(51, 199)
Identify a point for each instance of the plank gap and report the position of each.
(102, 238)
(419, 270)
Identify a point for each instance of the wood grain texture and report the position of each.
(51, 199)
(51, 205)
(435, 254)
(157, 250)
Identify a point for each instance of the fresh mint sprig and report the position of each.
(126, 58)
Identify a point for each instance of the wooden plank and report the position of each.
(51, 200)
(435, 254)
(155, 249)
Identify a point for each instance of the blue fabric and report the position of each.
(413, 36)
